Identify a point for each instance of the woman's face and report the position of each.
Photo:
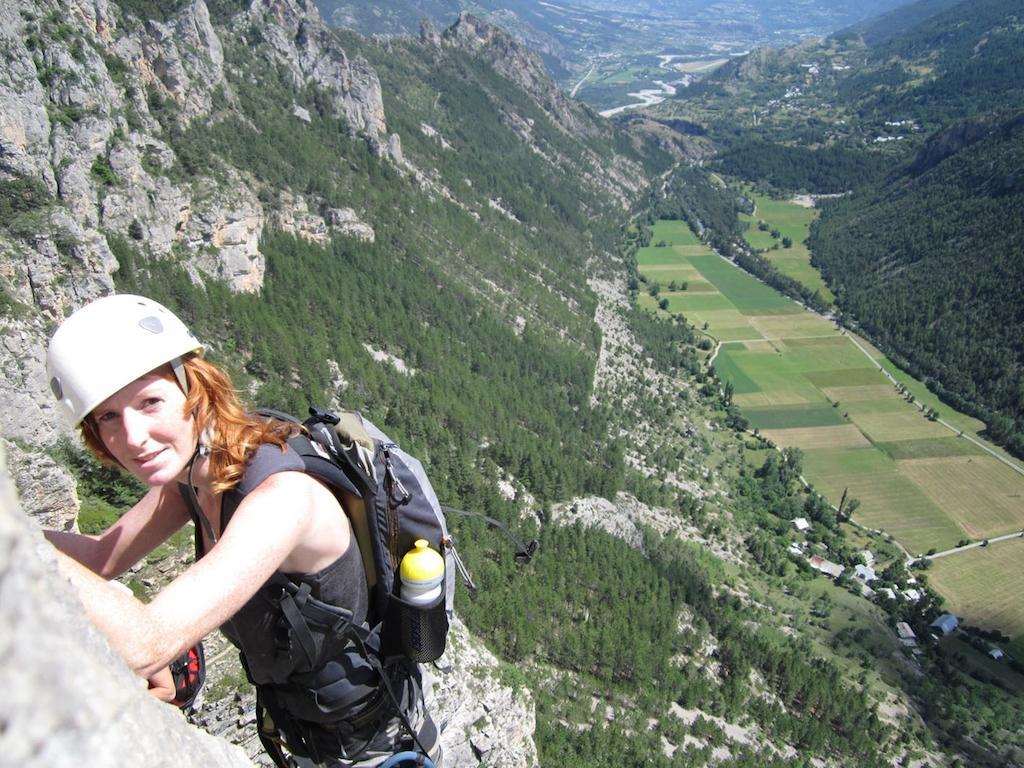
(144, 427)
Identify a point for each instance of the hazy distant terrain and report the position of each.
(619, 43)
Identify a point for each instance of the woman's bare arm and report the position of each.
(140, 530)
(267, 527)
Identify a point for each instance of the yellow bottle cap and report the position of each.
(421, 563)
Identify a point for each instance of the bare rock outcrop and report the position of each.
(486, 722)
(523, 67)
(223, 229)
(68, 701)
(295, 36)
(46, 489)
(295, 216)
(183, 60)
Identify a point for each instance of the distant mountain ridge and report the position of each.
(879, 28)
(568, 35)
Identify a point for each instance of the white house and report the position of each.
(865, 573)
(868, 557)
(906, 634)
(835, 570)
(801, 524)
(912, 595)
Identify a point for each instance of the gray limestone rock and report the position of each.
(223, 229)
(297, 37)
(47, 491)
(68, 701)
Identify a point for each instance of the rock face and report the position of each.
(294, 216)
(68, 701)
(523, 67)
(47, 490)
(487, 722)
(297, 38)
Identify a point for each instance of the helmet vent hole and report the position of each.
(152, 324)
(56, 388)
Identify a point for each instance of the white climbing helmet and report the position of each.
(109, 343)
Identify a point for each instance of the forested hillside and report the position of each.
(831, 115)
(931, 266)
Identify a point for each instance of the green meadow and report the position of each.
(804, 383)
(790, 416)
(983, 586)
(790, 220)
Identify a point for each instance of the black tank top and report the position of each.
(339, 678)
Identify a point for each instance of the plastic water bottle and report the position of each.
(422, 572)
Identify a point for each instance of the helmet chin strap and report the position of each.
(178, 366)
(203, 449)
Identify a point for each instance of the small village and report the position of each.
(864, 575)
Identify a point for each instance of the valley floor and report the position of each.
(866, 431)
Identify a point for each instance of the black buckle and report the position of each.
(325, 416)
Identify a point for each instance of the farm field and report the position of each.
(972, 593)
(803, 383)
(791, 220)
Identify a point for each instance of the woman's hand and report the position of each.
(161, 685)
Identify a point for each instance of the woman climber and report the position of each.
(131, 377)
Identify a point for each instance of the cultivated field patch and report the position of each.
(663, 274)
(729, 371)
(984, 586)
(827, 354)
(981, 493)
(678, 268)
(700, 301)
(748, 295)
(700, 286)
(660, 257)
(760, 345)
(775, 375)
(692, 250)
(791, 221)
(674, 232)
(859, 394)
(886, 421)
(809, 438)
(792, 325)
(847, 377)
(785, 417)
(931, 448)
(889, 501)
(923, 395)
(724, 324)
(730, 333)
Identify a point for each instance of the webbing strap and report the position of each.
(386, 682)
(271, 740)
(291, 607)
